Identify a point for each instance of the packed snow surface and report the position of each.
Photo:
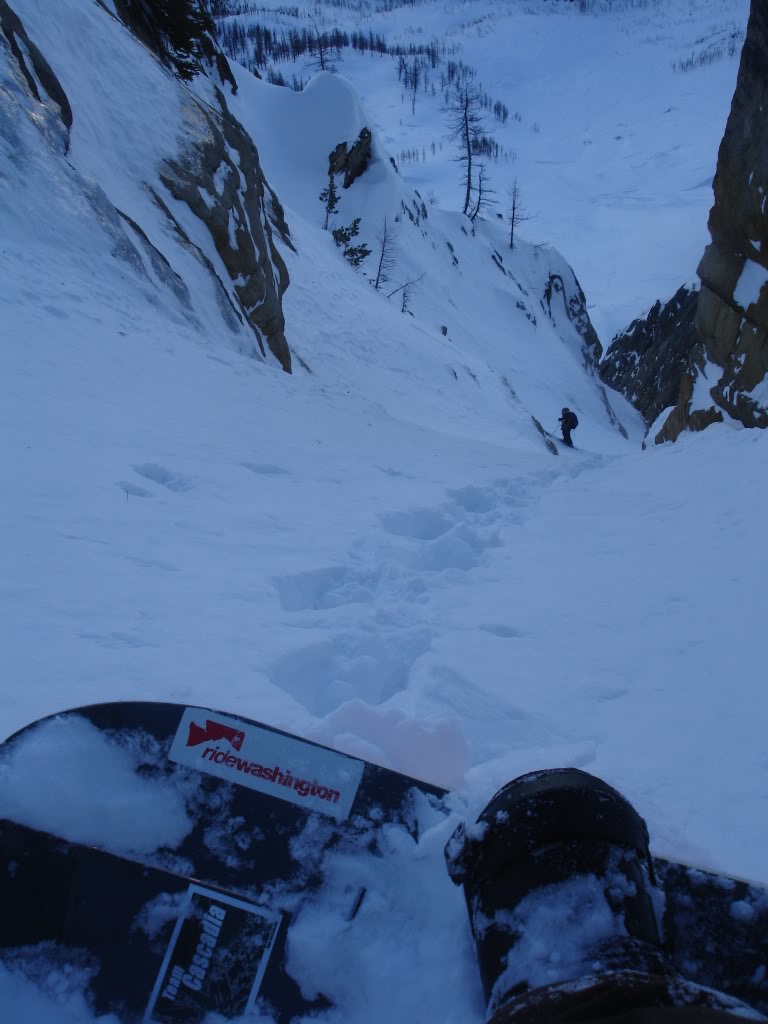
(381, 554)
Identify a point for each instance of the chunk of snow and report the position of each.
(750, 284)
(68, 778)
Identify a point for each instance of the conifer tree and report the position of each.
(354, 254)
(330, 197)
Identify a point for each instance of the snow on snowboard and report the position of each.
(175, 890)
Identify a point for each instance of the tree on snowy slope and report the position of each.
(465, 123)
(324, 55)
(353, 254)
(517, 211)
(484, 194)
(387, 255)
(330, 198)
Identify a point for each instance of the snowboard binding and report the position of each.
(562, 898)
(570, 912)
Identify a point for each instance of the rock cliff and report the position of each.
(214, 172)
(647, 361)
(732, 314)
(219, 178)
(707, 357)
(726, 375)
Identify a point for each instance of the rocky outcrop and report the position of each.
(683, 416)
(562, 289)
(646, 362)
(219, 177)
(41, 81)
(351, 162)
(215, 172)
(707, 356)
(732, 312)
(181, 35)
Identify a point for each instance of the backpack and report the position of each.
(573, 420)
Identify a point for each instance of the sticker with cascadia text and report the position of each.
(215, 961)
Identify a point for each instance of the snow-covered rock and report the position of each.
(646, 361)
(159, 170)
(732, 313)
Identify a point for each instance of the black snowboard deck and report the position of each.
(176, 934)
(158, 946)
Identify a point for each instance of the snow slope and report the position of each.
(380, 555)
(615, 118)
(479, 319)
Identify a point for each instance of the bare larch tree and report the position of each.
(465, 123)
(517, 211)
(387, 255)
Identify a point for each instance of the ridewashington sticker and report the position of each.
(280, 766)
(215, 961)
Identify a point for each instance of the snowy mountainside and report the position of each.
(713, 342)
(609, 121)
(116, 175)
(377, 551)
(511, 324)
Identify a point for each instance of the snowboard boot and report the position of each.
(562, 899)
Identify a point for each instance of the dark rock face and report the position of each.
(567, 289)
(235, 203)
(239, 210)
(563, 301)
(732, 312)
(683, 417)
(181, 33)
(647, 361)
(351, 162)
(35, 69)
(738, 222)
(707, 360)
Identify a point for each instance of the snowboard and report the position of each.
(175, 931)
(560, 442)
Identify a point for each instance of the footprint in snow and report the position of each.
(368, 666)
(332, 587)
(265, 469)
(165, 477)
(133, 490)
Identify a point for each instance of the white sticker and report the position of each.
(215, 961)
(280, 766)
